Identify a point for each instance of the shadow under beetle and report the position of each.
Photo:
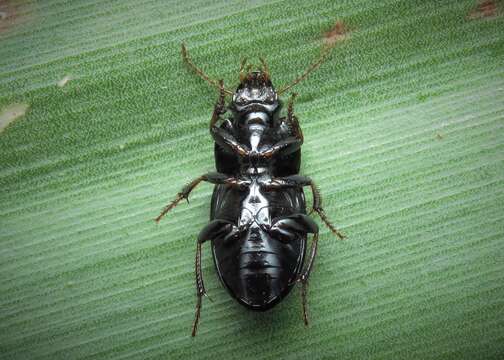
(258, 222)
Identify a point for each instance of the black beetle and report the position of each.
(258, 222)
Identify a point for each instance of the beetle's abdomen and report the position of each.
(259, 270)
(263, 279)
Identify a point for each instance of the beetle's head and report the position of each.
(255, 93)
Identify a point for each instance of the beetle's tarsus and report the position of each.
(326, 221)
(304, 285)
(170, 206)
(196, 317)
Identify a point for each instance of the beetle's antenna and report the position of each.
(197, 70)
(323, 56)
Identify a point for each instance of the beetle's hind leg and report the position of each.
(200, 288)
(288, 228)
(219, 107)
(213, 230)
(303, 279)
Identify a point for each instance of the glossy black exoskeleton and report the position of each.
(258, 222)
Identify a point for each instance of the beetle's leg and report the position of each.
(213, 230)
(221, 136)
(197, 70)
(287, 229)
(299, 181)
(219, 107)
(284, 147)
(228, 142)
(213, 178)
(317, 207)
(305, 275)
(200, 287)
(290, 143)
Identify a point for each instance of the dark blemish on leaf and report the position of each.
(485, 9)
(338, 32)
(11, 113)
(439, 136)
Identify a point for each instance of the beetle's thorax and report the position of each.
(253, 134)
(256, 131)
(254, 201)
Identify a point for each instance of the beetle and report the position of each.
(258, 221)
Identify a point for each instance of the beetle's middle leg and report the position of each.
(213, 178)
(300, 181)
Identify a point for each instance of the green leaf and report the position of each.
(404, 134)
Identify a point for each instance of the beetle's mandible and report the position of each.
(258, 222)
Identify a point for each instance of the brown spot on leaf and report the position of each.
(11, 113)
(11, 14)
(484, 9)
(338, 32)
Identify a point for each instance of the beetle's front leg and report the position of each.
(213, 178)
(213, 230)
(228, 142)
(222, 136)
(300, 181)
(219, 107)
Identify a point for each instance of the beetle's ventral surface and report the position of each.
(258, 222)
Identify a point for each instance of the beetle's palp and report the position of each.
(265, 69)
